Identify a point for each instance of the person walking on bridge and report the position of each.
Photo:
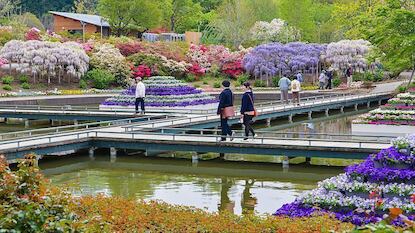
(248, 110)
(284, 84)
(226, 110)
(295, 89)
(140, 94)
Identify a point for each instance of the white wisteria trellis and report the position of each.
(49, 60)
(343, 53)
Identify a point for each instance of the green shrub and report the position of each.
(205, 82)
(25, 85)
(197, 85)
(241, 79)
(23, 79)
(336, 82)
(402, 89)
(7, 87)
(190, 78)
(216, 85)
(83, 84)
(7, 79)
(101, 79)
(259, 83)
(275, 81)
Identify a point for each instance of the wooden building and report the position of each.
(77, 23)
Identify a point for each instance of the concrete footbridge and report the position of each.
(175, 132)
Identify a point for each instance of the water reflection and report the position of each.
(212, 185)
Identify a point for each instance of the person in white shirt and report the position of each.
(140, 94)
(295, 89)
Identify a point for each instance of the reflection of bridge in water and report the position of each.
(159, 135)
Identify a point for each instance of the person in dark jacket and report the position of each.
(225, 104)
(248, 110)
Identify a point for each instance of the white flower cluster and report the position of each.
(341, 54)
(274, 31)
(46, 58)
(107, 57)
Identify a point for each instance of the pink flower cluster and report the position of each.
(88, 47)
(141, 71)
(3, 61)
(33, 34)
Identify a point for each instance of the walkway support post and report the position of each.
(327, 112)
(368, 104)
(268, 122)
(290, 118)
(356, 107)
(310, 115)
(75, 122)
(91, 152)
(285, 162)
(342, 109)
(380, 102)
(113, 152)
(195, 157)
(26, 123)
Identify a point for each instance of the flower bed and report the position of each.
(165, 92)
(366, 191)
(399, 111)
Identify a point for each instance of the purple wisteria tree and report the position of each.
(276, 59)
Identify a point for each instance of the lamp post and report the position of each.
(101, 26)
(83, 31)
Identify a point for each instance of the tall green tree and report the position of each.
(41, 7)
(182, 15)
(85, 6)
(299, 13)
(127, 15)
(234, 21)
(208, 5)
(264, 10)
(7, 7)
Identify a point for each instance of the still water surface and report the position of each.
(212, 185)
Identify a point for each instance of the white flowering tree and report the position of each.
(46, 59)
(275, 31)
(107, 57)
(348, 52)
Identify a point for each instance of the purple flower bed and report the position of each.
(157, 104)
(399, 107)
(368, 171)
(295, 210)
(392, 155)
(180, 90)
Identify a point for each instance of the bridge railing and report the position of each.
(261, 133)
(69, 128)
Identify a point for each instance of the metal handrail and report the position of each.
(96, 133)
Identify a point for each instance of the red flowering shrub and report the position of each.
(141, 71)
(32, 34)
(197, 70)
(130, 48)
(233, 68)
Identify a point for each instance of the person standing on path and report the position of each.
(248, 110)
(329, 75)
(284, 84)
(300, 76)
(226, 110)
(322, 80)
(140, 94)
(349, 76)
(295, 89)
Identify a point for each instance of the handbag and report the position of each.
(255, 112)
(228, 111)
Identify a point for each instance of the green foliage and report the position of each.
(123, 15)
(23, 79)
(5, 36)
(100, 79)
(402, 89)
(190, 78)
(29, 204)
(275, 81)
(7, 79)
(205, 82)
(299, 14)
(25, 85)
(336, 82)
(241, 79)
(40, 8)
(7, 87)
(29, 20)
(216, 85)
(83, 84)
(259, 83)
(181, 15)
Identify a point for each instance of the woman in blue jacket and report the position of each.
(248, 110)
(226, 110)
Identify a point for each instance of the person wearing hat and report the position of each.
(226, 110)
(140, 94)
(248, 110)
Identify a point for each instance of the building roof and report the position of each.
(91, 19)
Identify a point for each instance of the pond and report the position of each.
(212, 185)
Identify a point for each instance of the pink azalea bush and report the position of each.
(141, 71)
(33, 34)
(3, 61)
